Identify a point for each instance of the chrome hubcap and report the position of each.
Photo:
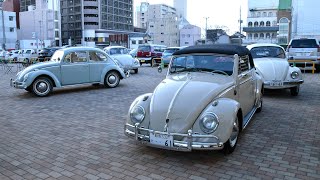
(112, 79)
(42, 87)
(235, 132)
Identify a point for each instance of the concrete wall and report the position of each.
(189, 35)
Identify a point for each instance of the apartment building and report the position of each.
(12, 6)
(90, 22)
(8, 36)
(189, 35)
(181, 7)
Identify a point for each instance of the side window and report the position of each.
(94, 57)
(76, 57)
(244, 64)
(101, 56)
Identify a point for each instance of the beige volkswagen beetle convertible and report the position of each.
(208, 97)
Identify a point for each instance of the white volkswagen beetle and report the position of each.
(271, 63)
(209, 95)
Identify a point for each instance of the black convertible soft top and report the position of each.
(216, 48)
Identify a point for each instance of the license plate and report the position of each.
(276, 83)
(161, 139)
(142, 60)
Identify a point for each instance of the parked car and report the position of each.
(208, 97)
(304, 49)
(167, 54)
(122, 56)
(13, 55)
(133, 53)
(69, 66)
(26, 55)
(272, 65)
(46, 53)
(148, 52)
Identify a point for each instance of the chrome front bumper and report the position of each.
(18, 85)
(284, 84)
(143, 135)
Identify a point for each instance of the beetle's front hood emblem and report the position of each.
(181, 101)
(272, 68)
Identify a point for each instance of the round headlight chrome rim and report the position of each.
(209, 123)
(137, 114)
(294, 75)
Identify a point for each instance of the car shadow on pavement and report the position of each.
(278, 93)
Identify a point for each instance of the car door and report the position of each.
(246, 86)
(75, 68)
(97, 62)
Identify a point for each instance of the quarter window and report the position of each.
(244, 64)
(96, 56)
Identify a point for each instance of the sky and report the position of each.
(220, 12)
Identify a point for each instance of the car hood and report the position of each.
(124, 59)
(272, 68)
(182, 98)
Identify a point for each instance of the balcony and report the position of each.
(91, 19)
(90, 11)
(261, 29)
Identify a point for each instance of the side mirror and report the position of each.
(160, 69)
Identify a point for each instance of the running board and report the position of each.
(248, 117)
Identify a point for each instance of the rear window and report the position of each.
(144, 48)
(304, 43)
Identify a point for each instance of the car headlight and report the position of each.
(209, 123)
(136, 62)
(137, 114)
(294, 75)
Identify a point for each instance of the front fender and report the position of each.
(110, 68)
(144, 101)
(226, 110)
(34, 74)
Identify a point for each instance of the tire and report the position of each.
(112, 79)
(231, 144)
(295, 90)
(151, 62)
(136, 71)
(42, 86)
(259, 109)
(29, 89)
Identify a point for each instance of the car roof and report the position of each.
(262, 45)
(216, 48)
(81, 48)
(174, 48)
(109, 47)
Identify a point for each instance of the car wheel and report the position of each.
(112, 79)
(295, 90)
(29, 89)
(136, 70)
(259, 109)
(231, 144)
(151, 62)
(42, 86)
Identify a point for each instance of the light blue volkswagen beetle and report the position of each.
(69, 66)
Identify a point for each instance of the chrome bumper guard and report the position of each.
(188, 145)
(18, 85)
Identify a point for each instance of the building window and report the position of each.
(261, 36)
(162, 41)
(183, 35)
(256, 36)
(162, 25)
(186, 42)
(270, 14)
(162, 33)
(268, 23)
(10, 18)
(258, 14)
(11, 29)
(253, 14)
(140, 41)
(264, 14)
(268, 35)
(256, 24)
(151, 26)
(188, 35)
(250, 24)
(249, 36)
(261, 24)
(134, 42)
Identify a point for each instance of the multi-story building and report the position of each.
(305, 21)
(181, 7)
(142, 15)
(40, 23)
(24, 4)
(8, 35)
(90, 22)
(12, 6)
(262, 22)
(189, 35)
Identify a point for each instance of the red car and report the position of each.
(148, 52)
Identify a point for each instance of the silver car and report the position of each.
(208, 97)
(69, 66)
(122, 56)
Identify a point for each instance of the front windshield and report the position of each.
(202, 63)
(268, 51)
(57, 56)
(115, 51)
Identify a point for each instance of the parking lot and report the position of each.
(77, 133)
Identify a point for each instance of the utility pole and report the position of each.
(3, 31)
(206, 25)
(240, 31)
